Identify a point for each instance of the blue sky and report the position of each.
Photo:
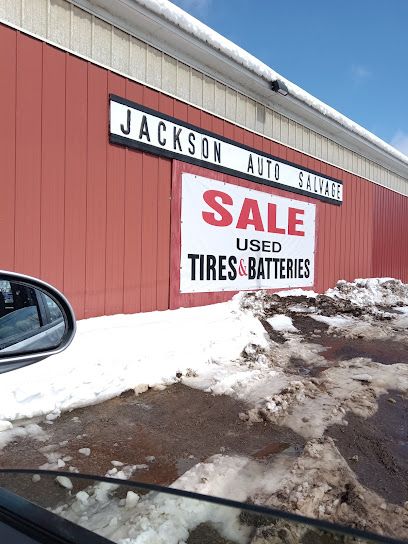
(353, 55)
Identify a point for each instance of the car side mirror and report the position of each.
(36, 321)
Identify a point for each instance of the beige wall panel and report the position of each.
(220, 99)
(298, 136)
(59, 22)
(169, 74)
(260, 118)
(34, 16)
(305, 139)
(208, 93)
(81, 32)
(196, 92)
(250, 114)
(354, 162)
(268, 126)
(363, 167)
(347, 159)
(312, 143)
(11, 11)
(330, 150)
(336, 154)
(101, 41)
(318, 146)
(231, 105)
(325, 145)
(153, 66)
(241, 109)
(291, 133)
(137, 62)
(384, 175)
(386, 179)
(284, 135)
(276, 126)
(183, 81)
(376, 173)
(120, 51)
(371, 174)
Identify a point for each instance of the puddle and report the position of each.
(278, 447)
(382, 351)
(377, 448)
(385, 352)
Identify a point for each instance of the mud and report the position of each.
(376, 449)
(178, 426)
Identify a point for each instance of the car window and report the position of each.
(29, 319)
(19, 313)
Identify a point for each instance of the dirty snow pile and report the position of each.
(370, 292)
(113, 354)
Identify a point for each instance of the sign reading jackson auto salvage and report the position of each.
(135, 126)
(234, 238)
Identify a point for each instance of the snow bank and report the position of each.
(205, 34)
(113, 354)
(371, 292)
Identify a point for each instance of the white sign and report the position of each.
(233, 238)
(135, 126)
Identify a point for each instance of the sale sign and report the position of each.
(234, 238)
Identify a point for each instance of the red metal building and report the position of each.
(99, 215)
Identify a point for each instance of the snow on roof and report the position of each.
(199, 30)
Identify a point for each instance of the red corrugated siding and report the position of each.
(94, 219)
(8, 65)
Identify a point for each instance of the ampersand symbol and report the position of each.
(242, 269)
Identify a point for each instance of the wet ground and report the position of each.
(377, 448)
(167, 432)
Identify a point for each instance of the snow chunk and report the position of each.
(64, 482)
(363, 378)
(308, 293)
(282, 323)
(5, 425)
(82, 497)
(53, 415)
(132, 499)
(85, 451)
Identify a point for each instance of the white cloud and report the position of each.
(360, 72)
(400, 141)
(194, 7)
